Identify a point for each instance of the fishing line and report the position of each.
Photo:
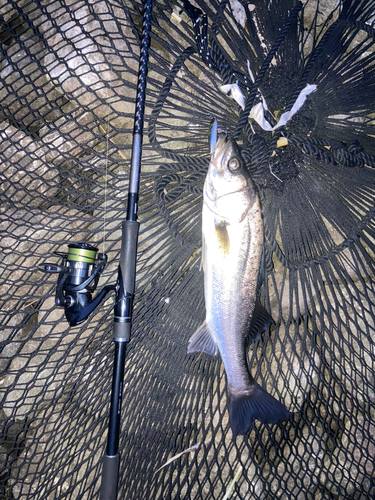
(105, 185)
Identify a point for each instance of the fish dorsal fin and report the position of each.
(202, 341)
(261, 274)
(260, 321)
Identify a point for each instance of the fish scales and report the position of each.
(233, 278)
(232, 243)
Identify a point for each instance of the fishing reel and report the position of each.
(79, 274)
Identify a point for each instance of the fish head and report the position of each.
(229, 190)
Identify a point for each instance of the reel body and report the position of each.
(79, 275)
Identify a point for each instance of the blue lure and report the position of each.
(213, 134)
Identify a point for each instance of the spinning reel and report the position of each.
(79, 274)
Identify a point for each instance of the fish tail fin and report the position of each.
(253, 404)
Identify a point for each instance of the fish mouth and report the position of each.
(221, 146)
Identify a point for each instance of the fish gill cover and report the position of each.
(294, 83)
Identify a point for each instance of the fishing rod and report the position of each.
(126, 275)
(82, 266)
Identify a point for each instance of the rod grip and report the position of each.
(126, 281)
(129, 253)
(108, 489)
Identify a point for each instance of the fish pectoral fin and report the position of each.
(202, 341)
(260, 321)
(222, 236)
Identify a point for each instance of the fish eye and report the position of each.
(233, 164)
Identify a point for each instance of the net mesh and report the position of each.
(68, 77)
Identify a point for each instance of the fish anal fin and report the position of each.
(255, 404)
(260, 321)
(202, 341)
(203, 255)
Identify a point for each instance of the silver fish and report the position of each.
(232, 231)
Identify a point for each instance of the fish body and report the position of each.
(232, 234)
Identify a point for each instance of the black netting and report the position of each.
(68, 78)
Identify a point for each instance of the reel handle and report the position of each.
(47, 267)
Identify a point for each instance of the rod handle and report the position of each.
(108, 489)
(126, 281)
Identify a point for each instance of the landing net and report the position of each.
(68, 76)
